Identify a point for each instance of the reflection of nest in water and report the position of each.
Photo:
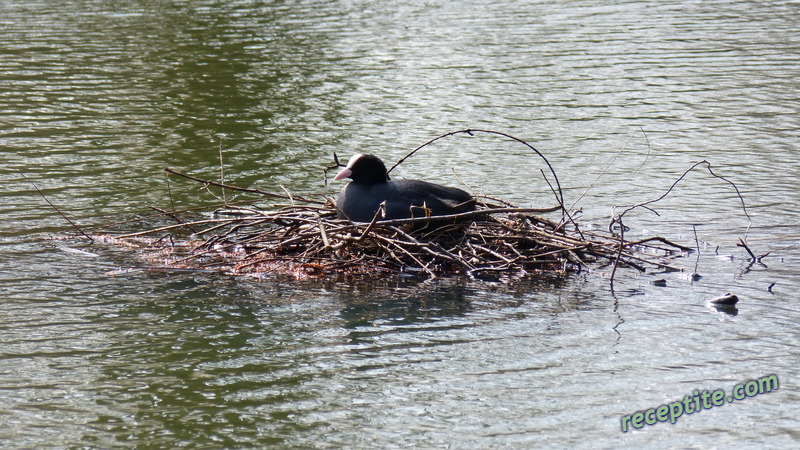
(306, 240)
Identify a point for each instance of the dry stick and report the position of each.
(307, 230)
(298, 237)
(234, 212)
(557, 251)
(646, 261)
(207, 187)
(64, 216)
(236, 188)
(576, 259)
(742, 243)
(550, 242)
(617, 256)
(441, 253)
(312, 233)
(647, 156)
(301, 208)
(566, 216)
(169, 192)
(512, 249)
(335, 166)
(151, 216)
(381, 211)
(238, 226)
(604, 252)
(322, 232)
(206, 244)
(171, 241)
(224, 224)
(313, 249)
(470, 250)
(493, 253)
(172, 227)
(604, 243)
(288, 194)
(649, 202)
(741, 199)
(470, 132)
(611, 162)
(237, 268)
(603, 172)
(467, 215)
(697, 245)
(659, 239)
(708, 167)
(224, 247)
(393, 242)
(503, 202)
(171, 216)
(594, 248)
(222, 173)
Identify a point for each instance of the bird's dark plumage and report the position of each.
(361, 198)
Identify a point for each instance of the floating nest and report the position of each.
(302, 238)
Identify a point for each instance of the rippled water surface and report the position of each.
(621, 97)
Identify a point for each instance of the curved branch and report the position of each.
(471, 131)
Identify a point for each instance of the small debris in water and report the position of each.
(727, 299)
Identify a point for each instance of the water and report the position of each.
(97, 97)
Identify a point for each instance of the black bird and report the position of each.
(360, 199)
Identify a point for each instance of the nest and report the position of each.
(302, 238)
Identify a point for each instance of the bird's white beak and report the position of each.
(343, 174)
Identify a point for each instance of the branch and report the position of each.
(91, 241)
(470, 131)
(466, 215)
(236, 188)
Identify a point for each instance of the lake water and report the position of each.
(97, 97)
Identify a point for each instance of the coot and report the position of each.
(361, 198)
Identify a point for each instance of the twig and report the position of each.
(380, 212)
(708, 167)
(750, 252)
(236, 188)
(707, 164)
(467, 215)
(222, 174)
(55, 208)
(605, 169)
(288, 194)
(336, 165)
(471, 132)
(169, 192)
(659, 239)
(697, 245)
(323, 233)
(172, 227)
